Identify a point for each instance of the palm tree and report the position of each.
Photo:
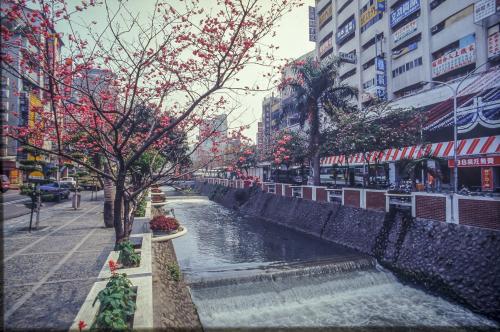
(316, 86)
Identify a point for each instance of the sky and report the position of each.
(292, 38)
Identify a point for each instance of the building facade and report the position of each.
(392, 47)
(402, 51)
(19, 97)
(213, 142)
(290, 116)
(270, 109)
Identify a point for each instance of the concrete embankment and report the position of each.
(459, 262)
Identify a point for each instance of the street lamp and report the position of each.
(454, 91)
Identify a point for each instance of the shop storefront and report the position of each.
(434, 163)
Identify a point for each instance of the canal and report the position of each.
(248, 272)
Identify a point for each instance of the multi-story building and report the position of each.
(260, 139)
(399, 50)
(212, 140)
(270, 109)
(289, 117)
(392, 47)
(21, 92)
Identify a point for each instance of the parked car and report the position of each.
(69, 180)
(58, 189)
(5, 183)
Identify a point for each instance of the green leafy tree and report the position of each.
(372, 130)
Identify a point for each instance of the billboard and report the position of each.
(459, 58)
(484, 9)
(403, 11)
(325, 15)
(405, 31)
(346, 30)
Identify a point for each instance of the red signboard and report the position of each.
(476, 162)
(487, 178)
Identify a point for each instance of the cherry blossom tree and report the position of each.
(132, 87)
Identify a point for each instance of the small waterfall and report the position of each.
(356, 298)
(287, 271)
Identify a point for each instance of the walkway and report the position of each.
(48, 273)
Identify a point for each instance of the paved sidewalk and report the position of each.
(48, 273)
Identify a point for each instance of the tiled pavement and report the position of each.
(48, 273)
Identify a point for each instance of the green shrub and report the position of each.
(174, 271)
(128, 257)
(117, 304)
(140, 210)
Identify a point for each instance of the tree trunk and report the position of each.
(314, 143)
(118, 210)
(109, 197)
(316, 165)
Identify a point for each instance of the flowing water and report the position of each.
(247, 272)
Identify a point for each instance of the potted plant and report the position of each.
(158, 199)
(156, 190)
(164, 225)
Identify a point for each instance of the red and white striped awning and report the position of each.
(466, 147)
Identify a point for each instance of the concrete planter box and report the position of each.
(144, 267)
(143, 316)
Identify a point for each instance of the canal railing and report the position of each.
(476, 211)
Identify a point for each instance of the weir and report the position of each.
(249, 272)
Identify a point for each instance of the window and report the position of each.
(344, 6)
(408, 90)
(408, 42)
(348, 74)
(369, 84)
(458, 16)
(435, 3)
(368, 64)
(406, 67)
(368, 44)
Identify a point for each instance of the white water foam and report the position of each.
(358, 298)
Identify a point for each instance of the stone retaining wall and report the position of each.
(458, 261)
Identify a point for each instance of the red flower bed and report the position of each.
(164, 223)
(155, 190)
(158, 199)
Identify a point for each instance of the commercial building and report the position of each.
(393, 49)
(290, 116)
(260, 139)
(20, 97)
(270, 116)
